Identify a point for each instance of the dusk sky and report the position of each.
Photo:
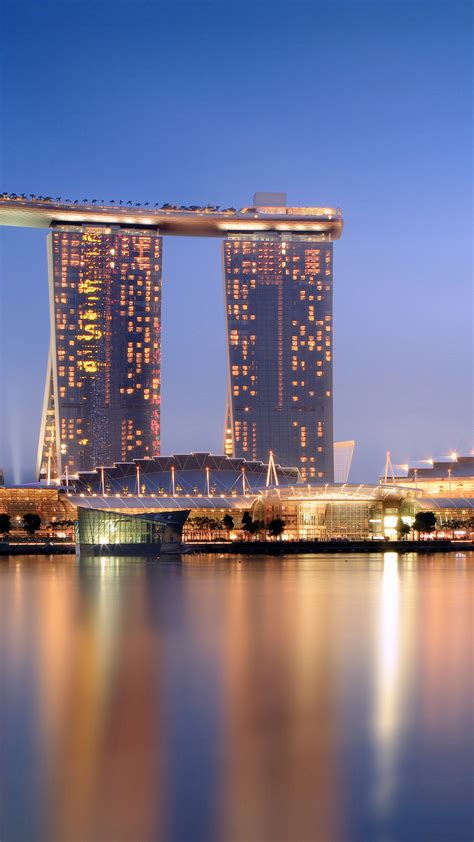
(360, 105)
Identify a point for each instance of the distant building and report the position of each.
(102, 397)
(343, 453)
(448, 478)
(278, 294)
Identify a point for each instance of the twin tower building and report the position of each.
(102, 397)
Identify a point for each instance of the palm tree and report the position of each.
(404, 530)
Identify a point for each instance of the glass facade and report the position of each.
(102, 399)
(102, 527)
(313, 514)
(278, 296)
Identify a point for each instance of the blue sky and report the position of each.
(362, 105)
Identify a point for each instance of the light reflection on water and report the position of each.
(308, 698)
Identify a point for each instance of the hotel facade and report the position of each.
(102, 395)
(278, 292)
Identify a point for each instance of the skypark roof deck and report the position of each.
(210, 221)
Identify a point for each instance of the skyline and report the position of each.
(394, 181)
(102, 395)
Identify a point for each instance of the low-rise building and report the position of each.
(443, 478)
(211, 487)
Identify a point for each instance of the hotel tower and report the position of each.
(102, 396)
(278, 297)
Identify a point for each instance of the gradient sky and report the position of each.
(363, 105)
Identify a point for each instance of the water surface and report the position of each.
(237, 700)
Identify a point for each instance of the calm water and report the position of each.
(300, 699)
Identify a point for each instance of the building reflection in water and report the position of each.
(280, 767)
(388, 677)
(106, 739)
(299, 699)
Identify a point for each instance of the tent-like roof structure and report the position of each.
(437, 503)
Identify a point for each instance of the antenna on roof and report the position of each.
(173, 490)
(244, 480)
(271, 472)
(138, 479)
(388, 469)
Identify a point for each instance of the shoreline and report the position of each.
(336, 547)
(276, 548)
